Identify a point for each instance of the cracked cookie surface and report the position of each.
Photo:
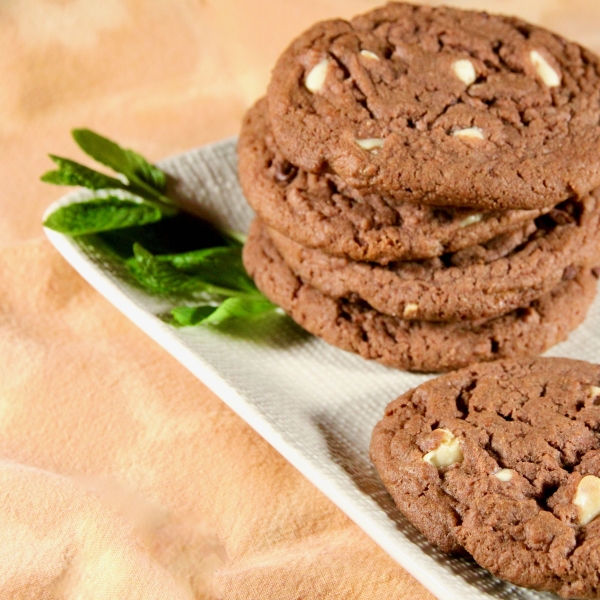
(520, 490)
(320, 211)
(441, 106)
(417, 345)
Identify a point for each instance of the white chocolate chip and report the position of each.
(594, 391)
(447, 453)
(471, 220)
(316, 78)
(410, 310)
(504, 474)
(465, 71)
(369, 54)
(547, 74)
(587, 498)
(472, 132)
(370, 143)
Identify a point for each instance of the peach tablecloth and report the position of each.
(121, 475)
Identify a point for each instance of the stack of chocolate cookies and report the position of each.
(426, 184)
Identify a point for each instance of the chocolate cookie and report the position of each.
(320, 211)
(417, 345)
(503, 460)
(441, 106)
(482, 281)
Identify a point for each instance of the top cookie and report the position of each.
(441, 106)
(320, 211)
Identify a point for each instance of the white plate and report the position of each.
(314, 403)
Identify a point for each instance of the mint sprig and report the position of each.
(142, 182)
(130, 210)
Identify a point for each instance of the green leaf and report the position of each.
(232, 308)
(186, 316)
(101, 214)
(160, 277)
(70, 172)
(220, 266)
(239, 308)
(131, 164)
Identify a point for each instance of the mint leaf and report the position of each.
(70, 172)
(239, 308)
(140, 173)
(160, 277)
(186, 316)
(101, 214)
(220, 266)
(232, 308)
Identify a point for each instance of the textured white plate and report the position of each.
(314, 403)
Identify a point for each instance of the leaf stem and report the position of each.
(141, 188)
(222, 291)
(168, 210)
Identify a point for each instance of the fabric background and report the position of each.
(121, 475)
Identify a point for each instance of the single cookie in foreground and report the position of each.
(502, 460)
(441, 106)
(417, 345)
(482, 281)
(320, 211)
